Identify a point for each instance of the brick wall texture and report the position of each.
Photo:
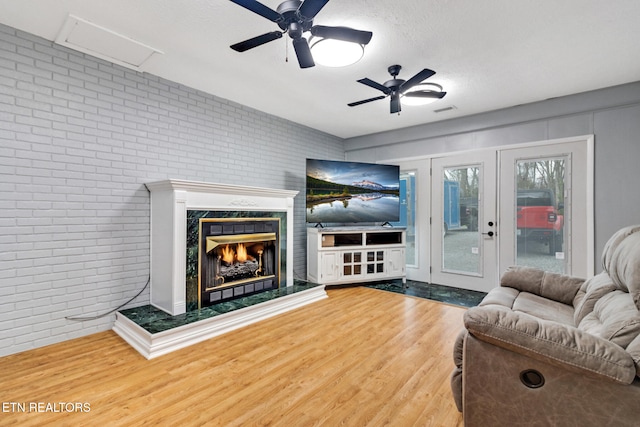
(79, 137)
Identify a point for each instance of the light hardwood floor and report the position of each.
(362, 357)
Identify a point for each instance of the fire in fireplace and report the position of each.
(241, 259)
(237, 257)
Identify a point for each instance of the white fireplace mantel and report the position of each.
(170, 200)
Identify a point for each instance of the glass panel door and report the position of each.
(539, 212)
(463, 212)
(528, 206)
(546, 207)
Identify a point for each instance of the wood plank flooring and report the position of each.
(362, 357)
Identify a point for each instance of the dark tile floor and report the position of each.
(446, 294)
(155, 320)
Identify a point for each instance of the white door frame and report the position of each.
(482, 245)
(420, 270)
(579, 185)
(422, 166)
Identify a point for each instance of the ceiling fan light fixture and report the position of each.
(422, 87)
(336, 53)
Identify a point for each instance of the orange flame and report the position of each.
(241, 254)
(230, 255)
(227, 254)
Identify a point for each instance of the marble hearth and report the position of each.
(153, 332)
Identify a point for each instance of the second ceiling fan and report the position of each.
(295, 17)
(397, 87)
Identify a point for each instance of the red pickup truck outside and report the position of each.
(538, 218)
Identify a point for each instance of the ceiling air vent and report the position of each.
(103, 43)
(442, 110)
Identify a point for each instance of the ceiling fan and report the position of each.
(296, 17)
(398, 87)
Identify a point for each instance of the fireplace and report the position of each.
(237, 257)
(195, 225)
(212, 242)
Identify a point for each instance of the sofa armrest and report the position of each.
(456, 375)
(557, 287)
(551, 342)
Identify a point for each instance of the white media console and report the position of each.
(342, 255)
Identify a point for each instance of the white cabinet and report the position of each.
(397, 261)
(355, 254)
(329, 266)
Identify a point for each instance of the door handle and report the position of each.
(490, 233)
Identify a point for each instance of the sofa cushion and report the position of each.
(623, 265)
(522, 278)
(544, 308)
(613, 242)
(557, 287)
(590, 292)
(500, 296)
(529, 303)
(614, 318)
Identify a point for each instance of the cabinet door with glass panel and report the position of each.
(352, 264)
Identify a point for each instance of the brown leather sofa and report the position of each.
(545, 349)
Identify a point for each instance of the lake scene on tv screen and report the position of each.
(351, 192)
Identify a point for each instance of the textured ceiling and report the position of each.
(487, 54)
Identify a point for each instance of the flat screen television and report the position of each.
(352, 192)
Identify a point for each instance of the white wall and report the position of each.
(78, 139)
(612, 115)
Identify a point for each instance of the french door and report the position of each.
(546, 207)
(527, 205)
(463, 220)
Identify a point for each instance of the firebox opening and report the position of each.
(238, 257)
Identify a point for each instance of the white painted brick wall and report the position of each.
(78, 139)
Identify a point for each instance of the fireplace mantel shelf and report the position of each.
(206, 187)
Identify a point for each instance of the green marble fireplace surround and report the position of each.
(205, 286)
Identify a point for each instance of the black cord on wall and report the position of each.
(83, 318)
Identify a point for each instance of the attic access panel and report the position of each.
(94, 40)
